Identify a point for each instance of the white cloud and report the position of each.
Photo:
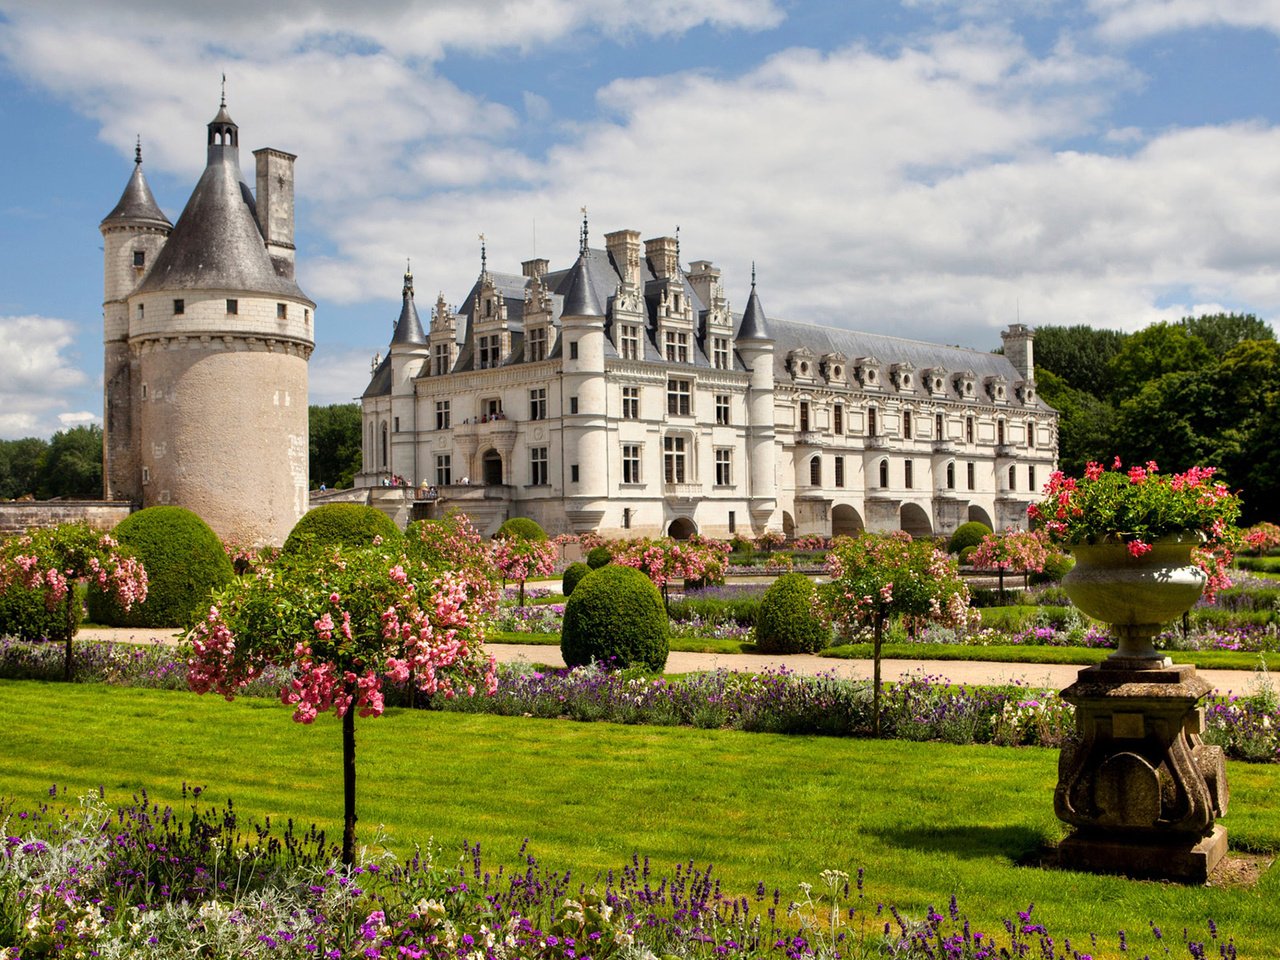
(1129, 20)
(37, 380)
(337, 375)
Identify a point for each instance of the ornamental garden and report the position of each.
(428, 802)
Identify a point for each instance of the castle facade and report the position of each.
(207, 338)
(624, 396)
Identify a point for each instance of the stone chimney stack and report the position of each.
(275, 206)
(1017, 348)
(535, 269)
(705, 279)
(662, 254)
(624, 247)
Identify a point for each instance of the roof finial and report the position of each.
(408, 279)
(677, 246)
(137, 150)
(484, 257)
(753, 274)
(582, 243)
(224, 90)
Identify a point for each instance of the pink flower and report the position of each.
(1137, 548)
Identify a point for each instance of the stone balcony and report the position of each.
(682, 491)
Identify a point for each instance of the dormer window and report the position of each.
(629, 341)
(804, 369)
(139, 258)
(965, 383)
(996, 388)
(538, 344)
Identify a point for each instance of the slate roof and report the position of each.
(137, 203)
(408, 329)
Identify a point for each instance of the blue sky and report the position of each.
(933, 169)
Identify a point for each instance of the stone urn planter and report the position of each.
(1137, 783)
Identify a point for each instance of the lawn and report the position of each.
(925, 820)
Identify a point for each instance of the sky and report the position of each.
(933, 169)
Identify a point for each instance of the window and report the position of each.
(282, 311)
(908, 474)
(492, 409)
(1031, 478)
(233, 306)
(538, 343)
(884, 474)
(444, 469)
(907, 427)
(440, 361)
(837, 419)
(722, 408)
(144, 391)
(489, 351)
(673, 459)
(146, 474)
(384, 444)
(179, 307)
(1000, 433)
(815, 471)
(629, 342)
(630, 403)
(537, 466)
(724, 468)
(951, 475)
(396, 427)
(306, 315)
(839, 471)
(140, 310)
(733, 522)
(804, 416)
(631, 463)
(442, 414)
(626, 518)
(969, 474)
(573, 404)
(678, 397)
(677, 347)
(871, 421)
(139, 258)
(573, 473)
(573, 351)
(720, 353)
(968, 431)
(538, 404)
(938, 427)
(1031, 435)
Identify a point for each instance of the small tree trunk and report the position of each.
(349, 786)
(521, 593)
(1000, 572)
(875, 688)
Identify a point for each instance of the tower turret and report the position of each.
(755, 346)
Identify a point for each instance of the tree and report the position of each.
(1021, 551)
(72, 465)
(1151, 353)
(1086, 424)
(53, 559)
(1221, 331)
(342, 622)
(1079, 354)
(519, 559)
(20, 465)
(876, 576)
(667, 559)
(334, 444)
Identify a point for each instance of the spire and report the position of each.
(582, 240)
(754, 325)
(137, 203)
(484, 259)
(580, 298)
(408, 329)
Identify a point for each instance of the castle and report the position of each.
(624, 396)
(207, 338)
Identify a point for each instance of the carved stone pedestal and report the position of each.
(1137, 783)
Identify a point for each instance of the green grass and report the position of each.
(925, 820)
(1204, 659)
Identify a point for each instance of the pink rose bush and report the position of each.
(1018, 551)
(521, 560)
(665, 560)
(52, 560)
(342, 622)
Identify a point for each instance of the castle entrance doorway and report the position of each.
(491, 465)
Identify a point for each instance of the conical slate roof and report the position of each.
(137, 203)
(408, 327)
(579, 297)
(753, 326)
(216, 243)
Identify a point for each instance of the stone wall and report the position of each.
(17, 516)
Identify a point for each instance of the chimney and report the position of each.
(661, 254)
(275, 206)
(1017, 348)
(535, 269)
(624, 247)
(705, 279)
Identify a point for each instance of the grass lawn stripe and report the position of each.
(925, 820)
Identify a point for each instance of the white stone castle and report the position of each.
(207, 338)
(624, 396)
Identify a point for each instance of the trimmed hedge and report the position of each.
(615, 617)
(24, 615)
(185, 563)
(967, 535)
(788, 620)
(340, 524)
(521, 528)
(599, 557)
(573, 575)
(741, 610)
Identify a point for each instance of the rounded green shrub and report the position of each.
(185, 563)
(967, 535)
(25, 616)
(615, 617)
(790, 619)
(966, 555)
(340, 524)
(1056, 566)
(521, 528)
(573, 575)
(599, 557)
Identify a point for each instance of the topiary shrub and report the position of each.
(520, 528)
(616, 618)
(185, 563)
(340, 524)
(967, 535)
(599, 557)
(25, 616)
(1056, 566)
(573, 575)
(789, 619)
(966, 556)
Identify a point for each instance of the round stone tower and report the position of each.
(218, 338)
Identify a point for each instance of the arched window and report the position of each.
(951, 475)
(871, 421)
(1013, 478)
(1000, 433)
(815, 471)
(884, 474)
(968, 429)
(384, 444)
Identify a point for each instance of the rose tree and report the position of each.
(875, 577)
(342, 622)
(519, 560)
(52, 560)
(1022, 551)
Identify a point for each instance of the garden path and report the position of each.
(1046, 675)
